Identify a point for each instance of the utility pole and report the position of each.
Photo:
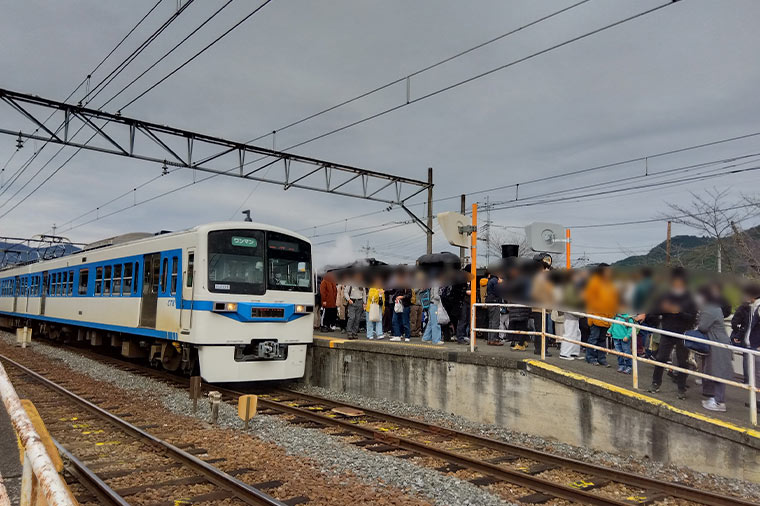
(488, 231)
(720, 258)
(462, 210)
(667, 247)
(430, 211)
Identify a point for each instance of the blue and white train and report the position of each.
(231, 301)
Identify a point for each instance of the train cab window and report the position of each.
(127, 279)
(175, 262)
(164, 274)
(84, 277)
(190, 269)
(236, 262)
(107, 280)
(117, 279)
(99, 281)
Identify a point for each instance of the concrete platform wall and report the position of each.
(523, 398)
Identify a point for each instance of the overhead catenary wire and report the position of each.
(139, 96)
(434, 93)
(36, 153)
(108, 79)
(166, 54)
(197, 54)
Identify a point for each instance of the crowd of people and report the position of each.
(433, 303)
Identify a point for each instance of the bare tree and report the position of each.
(715, 215)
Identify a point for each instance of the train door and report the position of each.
(43, 291)
(149, 304)
(16, 292)
(188, 291)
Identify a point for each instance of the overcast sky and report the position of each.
(684, 75)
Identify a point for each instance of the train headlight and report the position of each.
(301, 309)
(225, 307)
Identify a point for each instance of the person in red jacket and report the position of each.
(328, 293)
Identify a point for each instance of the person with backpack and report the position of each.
(602, 299)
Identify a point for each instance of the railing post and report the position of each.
(635, 355)
(752, 391)
(543, 333)
(27, 478)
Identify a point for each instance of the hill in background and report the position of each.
(697, 253)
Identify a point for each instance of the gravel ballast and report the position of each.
(335, 457)
(646, 467)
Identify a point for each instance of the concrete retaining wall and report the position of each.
(537, 400)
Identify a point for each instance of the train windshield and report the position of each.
(252, 261)
(288, 262)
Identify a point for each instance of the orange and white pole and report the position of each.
(473, 274)
(567, 248)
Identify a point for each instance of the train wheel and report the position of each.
(171, 358)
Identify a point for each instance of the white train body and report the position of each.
(235, 299)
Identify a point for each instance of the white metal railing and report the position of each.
(750, 354)
(37, 462)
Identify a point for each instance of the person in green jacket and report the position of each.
(621, 337)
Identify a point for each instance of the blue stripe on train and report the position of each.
(243, 313)
(140, 331)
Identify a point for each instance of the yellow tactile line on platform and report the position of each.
(642, 397)
(335, 340)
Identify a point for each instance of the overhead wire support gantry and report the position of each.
(169, 146)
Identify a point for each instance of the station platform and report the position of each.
(10, 467)
(571, 401)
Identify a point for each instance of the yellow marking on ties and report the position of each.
(108, 443)
(581, 484)
(637, 498)
(87, 432)
(80, 425)
(68, 419)
(180, 502)
(643, 398)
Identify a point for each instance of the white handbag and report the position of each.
(375, 315)
(398, 307)
(442, 315)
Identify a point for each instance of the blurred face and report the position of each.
(607, 273)
(678, 284)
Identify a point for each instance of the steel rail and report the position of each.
(632, 479)
(626, 478)
(90, 480)
(508, 475)
(241, 490)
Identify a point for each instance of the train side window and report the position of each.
(136, 278)
(175, 265)
(57, 285)
(71, 284)
(84, 277)
(99, 281)
(107, 280)
(127, 279)
(117, 279)
(164, 274)
(62, 283)
(190, 268)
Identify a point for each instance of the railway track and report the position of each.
(520, 473)
(101, 446)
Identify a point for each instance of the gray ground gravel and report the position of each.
(626, 462)
(334, 456)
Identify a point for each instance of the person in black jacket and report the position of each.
(745, 325)
(516, 291)
(676, 311)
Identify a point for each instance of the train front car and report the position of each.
(250, 307)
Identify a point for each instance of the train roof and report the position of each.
(138, 237)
